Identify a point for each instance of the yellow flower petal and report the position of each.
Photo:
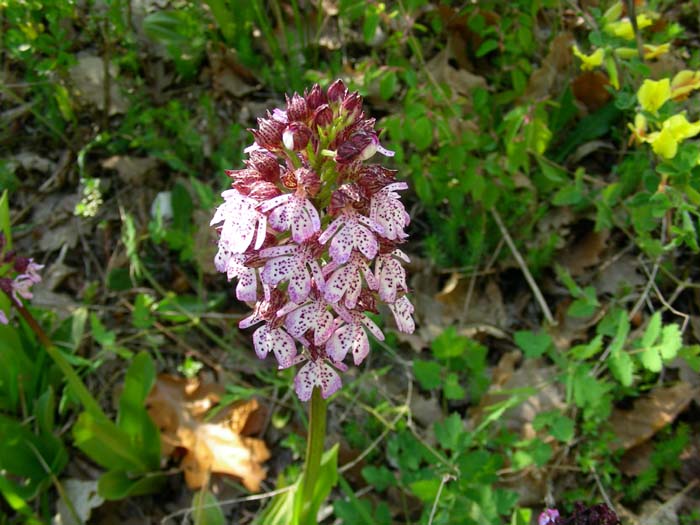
(653, 94)
(679, 127)
(639, 129)
(663, 144)
(651, 51)
(591, 61)
(683, 83)
(623, 28)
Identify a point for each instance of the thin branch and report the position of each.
(523, 267)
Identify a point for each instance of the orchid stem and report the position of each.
(314, 451)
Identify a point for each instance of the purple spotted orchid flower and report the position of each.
(311, 233)
(26, 275)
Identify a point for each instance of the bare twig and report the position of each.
(443, 482)
(642, 298)
(523, 267)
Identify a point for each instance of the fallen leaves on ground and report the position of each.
(219, 445)
(649, 414)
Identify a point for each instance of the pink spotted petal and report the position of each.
(277, 270)
(402, 310)
(301, 320)
(373, 328)
(3, 318)
(299, 284)
(391, 277)
(266, 340)
(344, 278)
(324, 327)
(247, 288)
(316, 374)
(331, 229)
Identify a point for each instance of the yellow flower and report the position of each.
(650, 51)
(674, 130)
(639, 129)
(623, 28)
(683, 83)
(653, 94)
(591, 61)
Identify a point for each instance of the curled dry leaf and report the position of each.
(650, 414)
(220, 445)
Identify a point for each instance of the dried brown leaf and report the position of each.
(221, 445)
(650, 414)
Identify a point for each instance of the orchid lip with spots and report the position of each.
(311, 232)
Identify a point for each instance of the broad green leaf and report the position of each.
(379, 477)
(623, 328)
(206, 509)
(533, 344)
(425, 489)
(622, 367)
(133, 418)
(452, 389)
(651, 359)
(428, 373)
(671, 341)
(651, 334)
(118, 484)
(107, 444)
(449, 344)
(30, 459)
(449, 432)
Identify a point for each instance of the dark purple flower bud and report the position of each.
(309, 180)
(315, 97)
(337, 91)
(269, 134)
(6, 285)
(297, 108)
(374, 177)
(264, 164)
(323, 116)
(21, 264)
(296, 136)
(351, 106)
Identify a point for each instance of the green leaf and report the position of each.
(118, 484)
(621, 366)
(5, 220)
(452, 389)
(449, 344)
(653, 330)
(586, 351)
(425, 489)
(533, 344)
(450, 431)
(141, 316)
(133, 418)
(486, 48)
(388, 85)
(206, 509)
(651, 359)
(671, 341)
(30, 459)
(107, 444)
(428, 373)
(379, 477)
(420, 133)
(106, 338)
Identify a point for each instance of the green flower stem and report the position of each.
(314, 451)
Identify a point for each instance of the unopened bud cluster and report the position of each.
(311, 233)
(17, 276)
